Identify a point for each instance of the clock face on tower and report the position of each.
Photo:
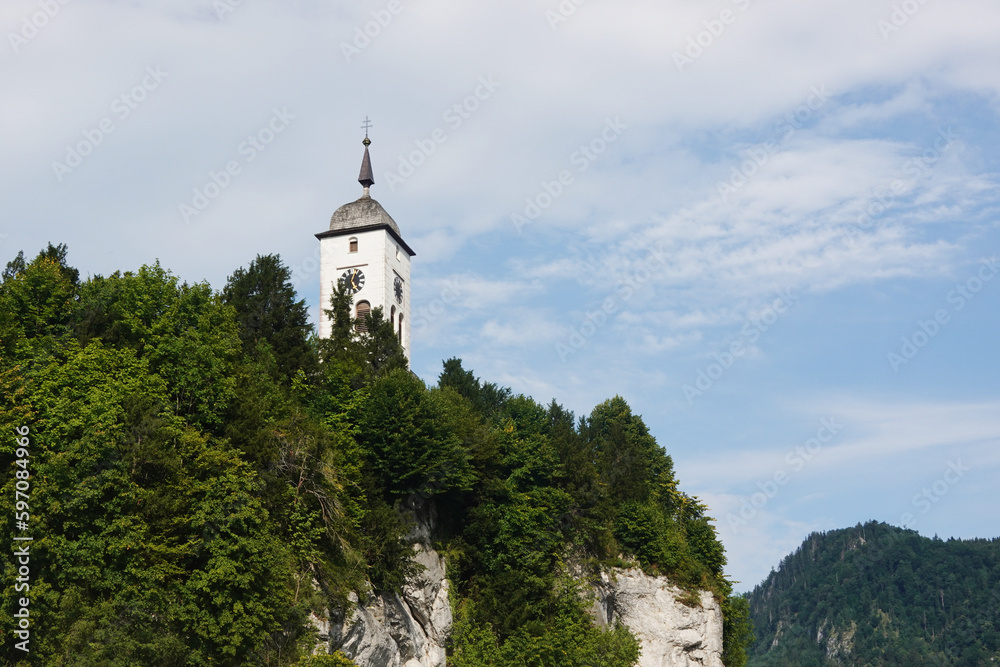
(398, 288)
(353, 280)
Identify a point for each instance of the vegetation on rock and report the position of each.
(205, 474)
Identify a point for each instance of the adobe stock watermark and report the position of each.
(758, 155)
(757, 325)
(363, 35)
(31, 25)
(924, 501)
(562, 12)
(21, 560)
(223, 7)
(448, 295)
(624, 290)
(900, 16)
(455, 116)
(581, 159)
(915, 168)
(933, 493)
(796, 459)
(121, 108)
(248, 149)
(714, 28)
(927, 329)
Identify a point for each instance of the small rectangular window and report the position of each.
(354, 244)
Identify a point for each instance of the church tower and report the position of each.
(364, 249)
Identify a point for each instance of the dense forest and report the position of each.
(880, 595)
(202, 473)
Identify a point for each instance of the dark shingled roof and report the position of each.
(366, 178)
(363, 213)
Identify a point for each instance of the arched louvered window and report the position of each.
(353, 244)
(401, 328)
(364, 309)
(392, 316)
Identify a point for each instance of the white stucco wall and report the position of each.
(380, 258)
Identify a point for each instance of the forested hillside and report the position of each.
(204, 473)
(880, 595)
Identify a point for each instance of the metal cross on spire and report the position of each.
(367, 178)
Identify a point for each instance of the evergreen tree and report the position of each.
(14, 266)
(410, 441)
(487, 398)
(357, 350)
(267, 311)
(380, 345)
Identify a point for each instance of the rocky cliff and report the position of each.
(411, 629)
(671, 634)
(390, 630)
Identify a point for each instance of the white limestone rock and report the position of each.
(670, 633)
(408, 630)
(411, 629)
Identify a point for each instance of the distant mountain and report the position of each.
(876, 594)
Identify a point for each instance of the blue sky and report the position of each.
(771, 226)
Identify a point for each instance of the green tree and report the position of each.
(405, 431)
(53, 253)
(14, 266)
(632, 464)
(189, 336)
(566, 637)
(266, 309)
(358, 351)
(37, 299)
(737, 631)
(157, 548)
(380, 345)
(487, 398)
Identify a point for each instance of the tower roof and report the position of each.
(366, 178)
(363, 215)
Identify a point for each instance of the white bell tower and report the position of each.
(364, 249)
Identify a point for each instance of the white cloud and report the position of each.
(876, 433)
(520, 327)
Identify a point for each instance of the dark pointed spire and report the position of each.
(367, 177)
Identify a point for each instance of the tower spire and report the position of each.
(366, 178)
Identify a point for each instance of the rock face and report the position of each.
(411, 629)
(670, 633)
(407, 630)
